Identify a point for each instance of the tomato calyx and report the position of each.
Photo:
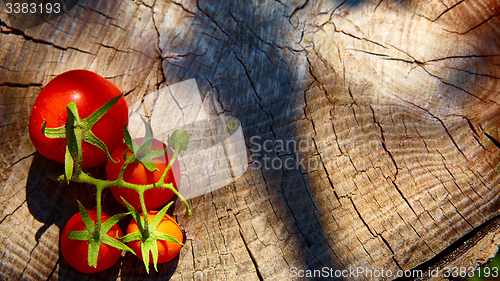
(144, 153)
(147, 234)
(96, 234)
(77, 130)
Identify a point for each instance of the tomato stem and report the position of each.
(84, 178)
(97, 232)
(162, 179)
(187, 213)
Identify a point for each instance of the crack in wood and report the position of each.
(440, 121)
(20, 85)
(448, 9)
(493, 140)
(184, 8)
(29, 260)
(298, 8)
(476, 26)
(35, 40)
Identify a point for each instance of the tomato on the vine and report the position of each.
(136, 173)
(167, 250)
(75, 252)
(89, 91)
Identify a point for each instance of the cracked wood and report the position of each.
(396, 103)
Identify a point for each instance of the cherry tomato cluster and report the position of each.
(77, 120)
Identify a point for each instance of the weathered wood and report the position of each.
(395, 105)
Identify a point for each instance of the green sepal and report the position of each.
(73, 116)
(68, 165)
(144, 154)
(93, 253)
(136, 235)
(128, 139)
(146, 247)
(156, 222)
(95, 141)
(93, 250)
(53, 133)
(179, 140)
(109, 223)
(73, 155)
(143, 150)
(98, 114)
(159, 216)
(154, 253)
(156, 153)
(147, 142)
(89, 224)
(79, 235)
(90, 121)
(135, 214)
(150, 166)
(148, 138)
(167, 237)
(106, 239)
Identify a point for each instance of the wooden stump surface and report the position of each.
(395, 103)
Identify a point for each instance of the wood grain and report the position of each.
(395, 104)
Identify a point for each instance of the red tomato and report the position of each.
(138, 174)
(75, 252)
(89, 91)
(166, 250)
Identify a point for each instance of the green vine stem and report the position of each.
(75, 132)
(85, 178)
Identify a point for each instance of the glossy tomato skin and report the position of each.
(136, 173)
(75, 252)
(166, 250)
(89, 91)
